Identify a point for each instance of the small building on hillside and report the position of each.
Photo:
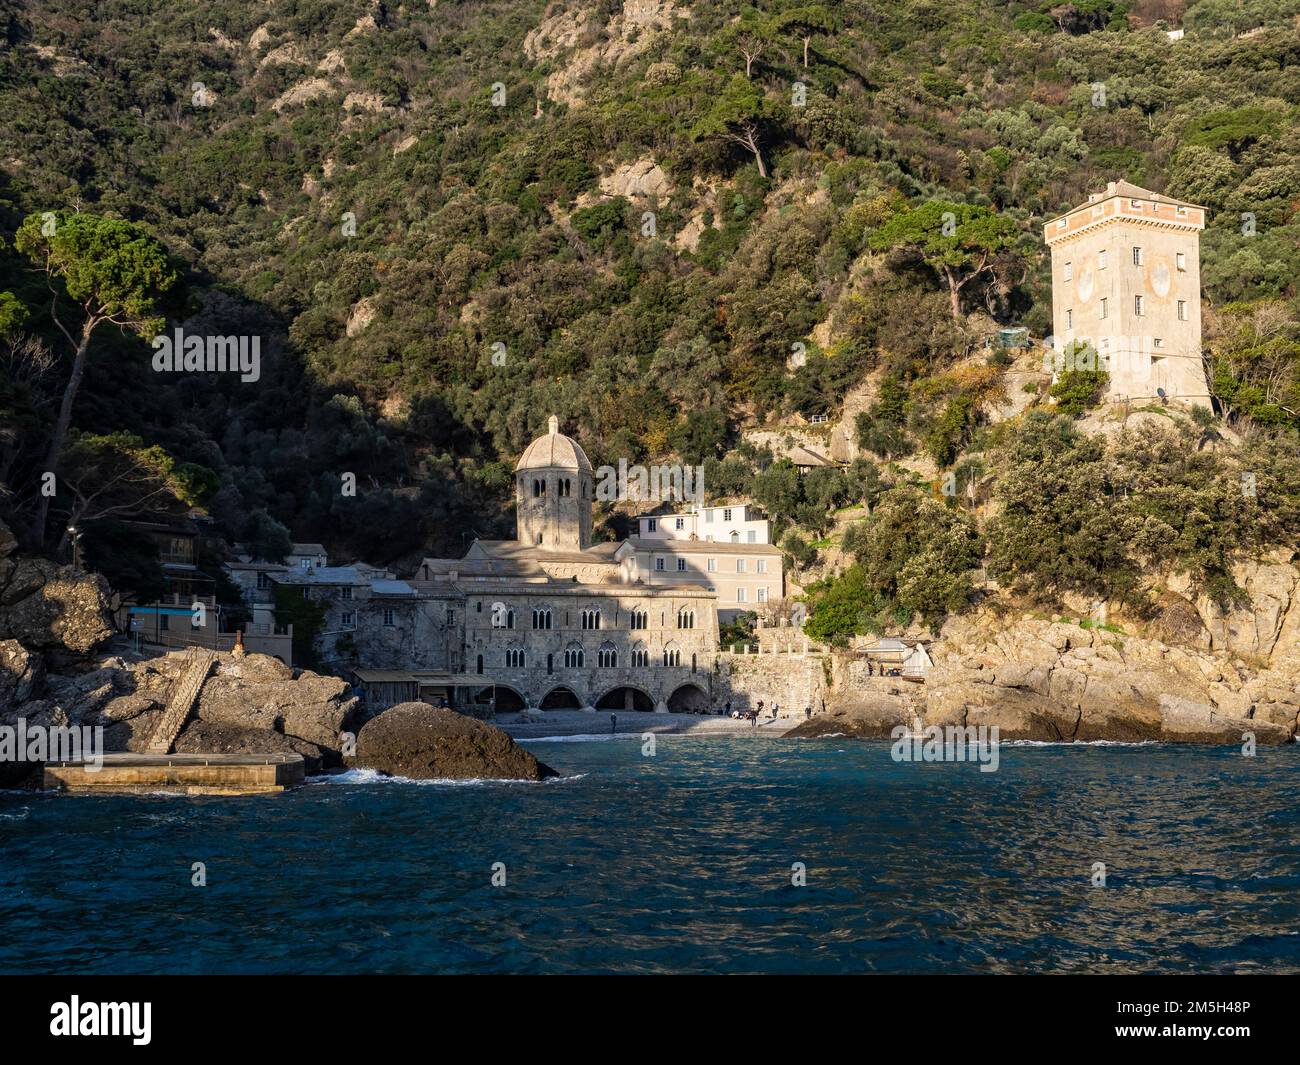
(898, 657)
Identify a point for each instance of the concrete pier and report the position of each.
(186, 774)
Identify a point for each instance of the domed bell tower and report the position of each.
(553, 493)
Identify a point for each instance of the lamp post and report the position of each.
(75, 534)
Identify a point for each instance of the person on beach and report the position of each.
(727, 708)
(613, 723)
(807, 712)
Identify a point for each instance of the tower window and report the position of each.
(388, 616)
(1180, 260)
(1069, 271)
(1137, 256)
(1069, 319)
(1103, 306)
(1101, 259)
(1138, 307)
(1182, 310)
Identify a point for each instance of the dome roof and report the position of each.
(553, 451)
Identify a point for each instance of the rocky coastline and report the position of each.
(1193, 674)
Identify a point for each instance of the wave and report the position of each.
(373, 776)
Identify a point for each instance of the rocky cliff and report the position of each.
(1194, 674)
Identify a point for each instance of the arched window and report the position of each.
(672, 655)
(539, 487)
(639, 619)
(591, 618)
(573, 657)
(607, 656)
(542, 618)
(564, 486)
(640, 657)
(515, 658)
(502, 618)
(686, 618)
(735, 537)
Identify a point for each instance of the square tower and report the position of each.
(1126, 278)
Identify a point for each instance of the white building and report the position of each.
(733, 523)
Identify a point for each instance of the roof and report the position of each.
(1125, 190)
(553, 450)
(802, 456)
(600, 554)
(389, 587)
(308, 549)
(702, 547)
(339, 575)
(486, 568)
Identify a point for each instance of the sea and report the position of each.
(684, 855)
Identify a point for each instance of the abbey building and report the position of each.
(550, 619)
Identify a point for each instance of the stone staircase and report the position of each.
(185, 690)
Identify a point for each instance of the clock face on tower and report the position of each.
(1084, 284)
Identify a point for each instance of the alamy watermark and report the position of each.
(660, 484)
(952, 743)
(179, 353)
(53, 743)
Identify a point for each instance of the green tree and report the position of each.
(741, 114)
(807, 21)
(110, 271)
(957, 240)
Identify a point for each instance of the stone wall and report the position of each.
(792, 681)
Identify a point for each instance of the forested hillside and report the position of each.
(448, 220)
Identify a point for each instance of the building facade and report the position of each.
(550, 619)
(1126, 279)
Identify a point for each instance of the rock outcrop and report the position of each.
(1054, 680)
(254, 704)
(45, 606)
(421, 742)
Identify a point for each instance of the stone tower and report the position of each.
(1126, 277)
(553, 493)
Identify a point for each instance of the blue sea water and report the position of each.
(682, 862)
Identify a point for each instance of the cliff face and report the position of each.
(1197, 675)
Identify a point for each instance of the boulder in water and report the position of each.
(424, 742)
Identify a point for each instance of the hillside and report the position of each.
(445, 221)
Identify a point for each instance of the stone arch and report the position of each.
(626, 697)
(688, 698)
(561, 697)
(508, 699)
